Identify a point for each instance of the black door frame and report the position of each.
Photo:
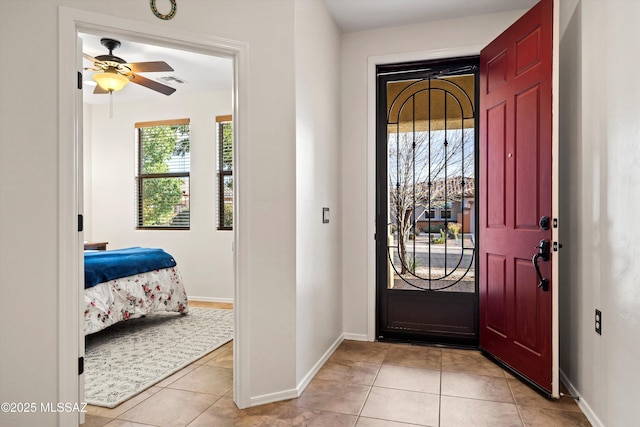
(384, 74)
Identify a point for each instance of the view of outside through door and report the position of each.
(431, 183)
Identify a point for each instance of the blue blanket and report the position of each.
(102, 266)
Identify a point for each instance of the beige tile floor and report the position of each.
(362, 384)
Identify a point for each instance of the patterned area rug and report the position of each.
(129, 357)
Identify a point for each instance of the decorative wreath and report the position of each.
(169, 15)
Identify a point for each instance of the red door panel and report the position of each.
(496, 170)
(515, 192)
(496, 295)
(526, 332)
(527, 196)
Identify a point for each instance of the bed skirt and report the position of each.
(133, 296)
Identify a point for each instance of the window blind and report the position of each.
(163, 165)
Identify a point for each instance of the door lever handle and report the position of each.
(543, 252)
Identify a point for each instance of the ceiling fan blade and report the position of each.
(151, 84)
(99, 90)
(148, 67)
(89, 57)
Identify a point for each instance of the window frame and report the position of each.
(141, 177)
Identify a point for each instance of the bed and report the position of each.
(128, 283)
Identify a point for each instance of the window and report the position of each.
(225, 172)
(163, 163)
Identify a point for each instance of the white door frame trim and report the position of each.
(373, 61)
(71, 21)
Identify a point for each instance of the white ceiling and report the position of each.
(359, 15)
(202, 73)
(205, 73)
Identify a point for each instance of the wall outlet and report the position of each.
(598, 322)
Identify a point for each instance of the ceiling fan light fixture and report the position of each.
(111, 80)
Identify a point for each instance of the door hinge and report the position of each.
(80, 365)
(80, 223)
(79, 80)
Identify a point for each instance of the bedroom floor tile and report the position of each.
(221, 359)
(206, 379)
(170, 408)
(95, 421)
(123, 407)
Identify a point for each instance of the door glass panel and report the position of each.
(431, 183)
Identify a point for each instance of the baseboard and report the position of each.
(355, 337)
(294, 393)
(582, 404)
(273, 397)
(307, 378)
(210, 299)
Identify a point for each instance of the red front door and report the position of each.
(515, 193)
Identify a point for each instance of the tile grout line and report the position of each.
(370, 388)
(369, 391)
(515, 402)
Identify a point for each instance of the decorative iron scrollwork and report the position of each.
(431, 134)
(174, 8)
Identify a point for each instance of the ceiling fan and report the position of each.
(115, 72)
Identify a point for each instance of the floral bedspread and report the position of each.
(134, 296)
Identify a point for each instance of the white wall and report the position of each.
(357, 190)
(600, 132)
(29, 173)
(204, 254)
(318, 179)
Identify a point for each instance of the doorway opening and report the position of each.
(203, 104)
(426, 174)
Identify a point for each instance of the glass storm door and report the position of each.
(426, 202)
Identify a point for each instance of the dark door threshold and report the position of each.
(517, 374)
(431, 341)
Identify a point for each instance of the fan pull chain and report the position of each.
(111, 104)
(169, 15)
